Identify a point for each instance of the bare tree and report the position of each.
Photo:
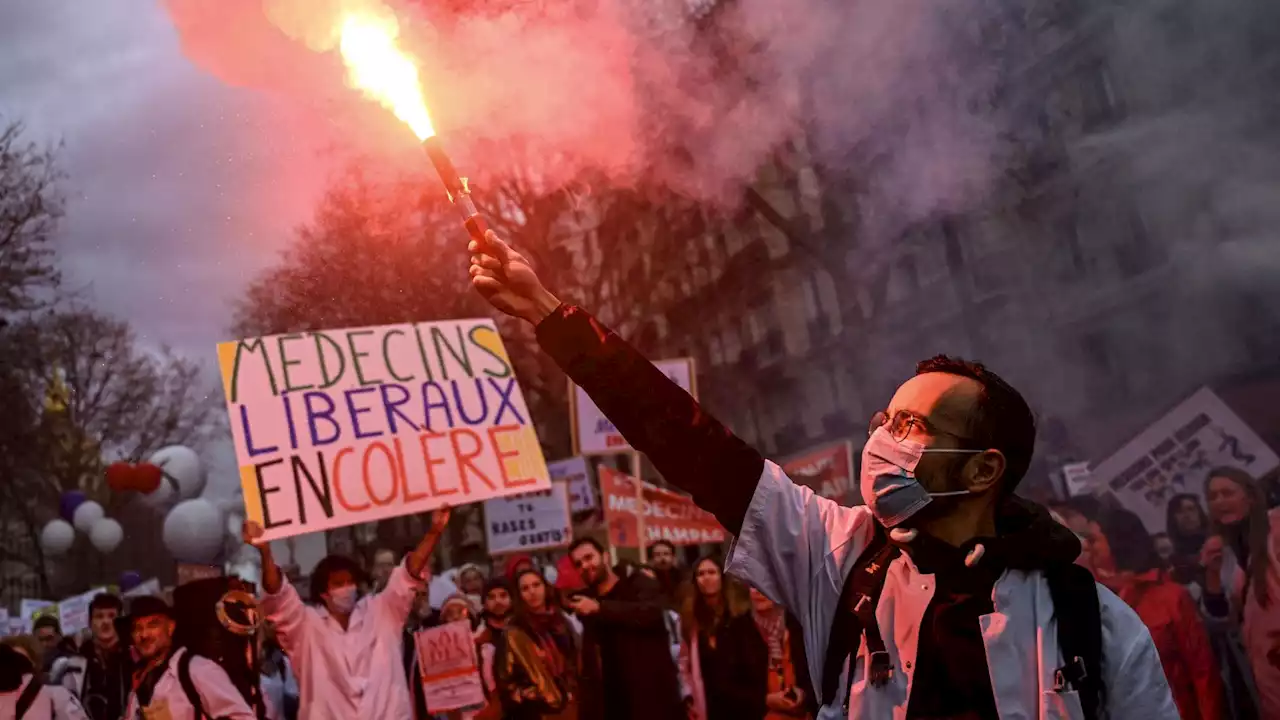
(79, 393)
(30, 206)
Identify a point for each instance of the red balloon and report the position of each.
(120, 476)
(147, 478)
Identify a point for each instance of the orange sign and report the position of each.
(667, 515)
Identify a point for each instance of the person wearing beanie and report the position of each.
(517, 564)
(159, 689)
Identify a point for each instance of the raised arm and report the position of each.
(395, 602)
(691, 449)
(280, 602)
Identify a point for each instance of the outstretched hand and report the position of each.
(507, 280)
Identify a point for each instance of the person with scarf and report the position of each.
(1187, 526)
(1241, 560)
(158, 690)
(789, 695)
(726, 670)
(537, 666)
(1124, 560)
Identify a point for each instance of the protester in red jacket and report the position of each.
(1123, 558)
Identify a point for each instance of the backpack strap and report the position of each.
(1079, 614)
(28, 696)
(189, 686)
(855, 620)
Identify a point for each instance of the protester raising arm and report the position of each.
(691, 449)
(396, 599)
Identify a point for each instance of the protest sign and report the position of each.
(148, 587)
(1076, 478)
(577, 477)
(342, 427)
(667, 515)
(29, 610)
(17, 626)
(73, 613)
(1175, 454)
(828, 471)
(534, 521)
(450, 670)
(593, 434)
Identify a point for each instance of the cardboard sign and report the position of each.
(574, 473)
(1175, 454)
(593, 434)
(29, 610)
(667, 515)
(342, 427)
(73, 613)
(450, 671)
(828, 471)
(525, 523)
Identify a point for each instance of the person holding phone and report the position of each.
(788, 696)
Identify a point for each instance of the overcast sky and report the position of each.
(180, 188)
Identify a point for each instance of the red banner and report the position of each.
(667, 515)
(828, 471)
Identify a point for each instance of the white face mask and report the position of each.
(342, 600)
(888, 477)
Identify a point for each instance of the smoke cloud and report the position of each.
(631, 88)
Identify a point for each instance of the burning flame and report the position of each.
(376, 65)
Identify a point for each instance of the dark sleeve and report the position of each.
(749, 683)
(640, 607)
(800, 664)
(691, 449)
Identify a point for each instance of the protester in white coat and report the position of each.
(347, 652)
(159, 691)
(965, 568)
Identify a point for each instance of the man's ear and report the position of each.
(984, 470)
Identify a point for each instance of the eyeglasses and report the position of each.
(900, 425)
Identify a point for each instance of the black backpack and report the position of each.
(1076, 607)
(213, 623)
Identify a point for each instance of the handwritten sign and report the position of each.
(450, 670)
(533, 521)
(828, 471)
(577, 478)
(341, 427)
(594, 434)
(73, 613)
(667, 515)
(1175, 454)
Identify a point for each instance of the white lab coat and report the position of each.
(53, 702)
(356, 673)
(218, 696)
(798, 548)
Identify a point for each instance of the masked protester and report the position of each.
(347, 651)
(168, 685)
(627, 672)
(470, 581)
(943, 553)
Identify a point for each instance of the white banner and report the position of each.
(1077, 479)
(1175, 454)
(73, 613)
(530, 522)
(593, 434)
(577, 478)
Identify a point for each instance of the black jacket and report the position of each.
(107, 682)
(627, 669)
(735, 673)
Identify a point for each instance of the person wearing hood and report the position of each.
(963, 619)
(347, 651)
(470, 580)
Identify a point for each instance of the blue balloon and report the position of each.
(129, 580)
(71, 500)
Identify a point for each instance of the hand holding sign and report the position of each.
(252, 534)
